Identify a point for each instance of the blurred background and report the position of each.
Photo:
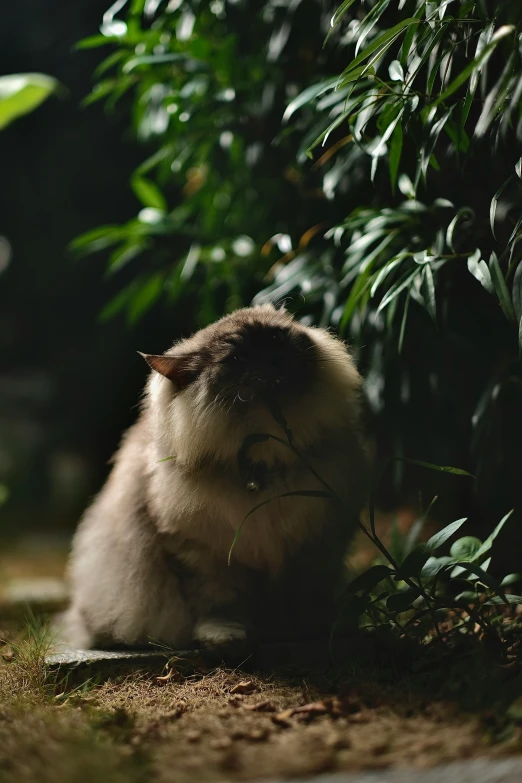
(191, 158)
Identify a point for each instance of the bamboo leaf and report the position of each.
(432, 466)
(479, 60)
(386, 38)
(479, 269)
(486, 545)
(369, 22)
(395, 154)
(396, 289)
(499, 284)
(443, 535)
(307, 96)
(517, 292)
(429, 292)
(494, 203)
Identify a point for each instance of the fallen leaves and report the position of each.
(245, 686)
(260, 706)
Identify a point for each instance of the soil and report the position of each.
(387, 705)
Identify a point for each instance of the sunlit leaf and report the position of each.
(369, 22)
(443, 535)
(466, 72)
(386, 38)
(148, 192)
(494, 202)
(465, 548)
(396, 71)
(479, 269)
(511, 579)
(434, 565)
(486, 545)
(21, 93)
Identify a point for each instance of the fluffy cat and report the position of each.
(150, 558)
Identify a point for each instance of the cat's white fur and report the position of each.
(192, 504)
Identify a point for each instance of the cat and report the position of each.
(152, 559)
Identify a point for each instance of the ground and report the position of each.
(383, 705)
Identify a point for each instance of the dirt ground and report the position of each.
(385, 706)
(187, 723)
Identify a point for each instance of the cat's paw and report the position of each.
(220, 633)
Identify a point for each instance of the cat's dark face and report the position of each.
(256, 361)
(242, 360)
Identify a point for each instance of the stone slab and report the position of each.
(508, 770)
(263, 657)
(42, 595)
(70, 658)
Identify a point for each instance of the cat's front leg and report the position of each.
(215, 631)
(222, 598)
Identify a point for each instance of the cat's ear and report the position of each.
(181, 370)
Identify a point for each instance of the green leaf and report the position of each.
(434, 565)
(467, 597)
(145, 295)
(336, 18)
(483, 575)
(501, 290)
(494, 203)
(21, 93)
(465, 548)
(369, 22)
(473, 66)
(486, 546)
(354, 76)
(396, 71)
(439, 468)
(497, 600)
(4, 494)
(464, 212)
(511, 579)
(386, 38)
(397, 288)
(428, 289)
(443, 535)
(369, 579)
(148, 192)
(97, 239)
(517, 292)
(152, 59)
(308, 95)
(413, 563)
(95, 41)
(479, 269)
(402, 331)
(395, 154)
(401, 602)
(125, 253)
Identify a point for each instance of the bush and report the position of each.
(374, 183)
